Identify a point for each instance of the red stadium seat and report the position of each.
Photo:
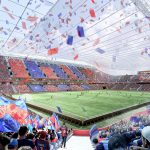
(18, 68)
(49, 72)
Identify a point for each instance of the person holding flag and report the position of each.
(64, 133)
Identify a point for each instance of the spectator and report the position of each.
(35, 132)
(117, 142)
(146, 137)
(14, 136)
(42, 143)
(22, 141)
(13, 145)
(25, 148)
(53, 139)
(31, 137)
(4, 141)
(64, 132)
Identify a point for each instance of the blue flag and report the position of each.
(99, 50)
(70, 40)
(80, 31)
(93, 131)
(8, 124)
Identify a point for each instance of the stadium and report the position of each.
(82, 66)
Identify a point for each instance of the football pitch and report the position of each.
(86, 104)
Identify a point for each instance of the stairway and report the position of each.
(78, 143)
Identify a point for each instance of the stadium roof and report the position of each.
(111, 35)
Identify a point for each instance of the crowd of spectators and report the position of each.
(43, 139)
(126, 134)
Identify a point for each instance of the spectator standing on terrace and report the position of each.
(13, 144)
(117, 142)
(4, 141)
(64, 133)
(146, 137)
(42, 143)
(22, 141)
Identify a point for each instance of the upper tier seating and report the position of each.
(69, 72)
(34, 70)
(22, 89)
(51, 88)
(4, 73)
(89, 73)
(59, 71)
(49, 72)
(77, 72)
(37, 88)
(18, 68)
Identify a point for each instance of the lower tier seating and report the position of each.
(22, 89)
(50, 88)
(36, 88)
(6, 89)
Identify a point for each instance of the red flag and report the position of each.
(92, 13)
(76, 57)
(55, 120)
(5, 8)
(24, 25)
(32, 18)
(81, 20)
(127, 23)
(96, 42)
(52, 119)
(93, 1)
(52, 51)
(10, 15)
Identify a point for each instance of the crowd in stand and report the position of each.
(126, 134)
(43, 139)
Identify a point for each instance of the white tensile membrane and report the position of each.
(115, 38)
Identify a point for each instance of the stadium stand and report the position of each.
(85, 87)
(77, 72)
(22, 89)
(59, 71)
(76, 88)
(4, 72)
(63, 87)
(69, 72)
(89, 73)
(51, 88)
(131, 129)
(49, 72)
(33, 69)
(36, 88)
(18, 68)
(6, 88)
(87, 78)
(145, 87)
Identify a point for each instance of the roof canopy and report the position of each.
(111, 35)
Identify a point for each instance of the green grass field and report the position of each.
(86, 104)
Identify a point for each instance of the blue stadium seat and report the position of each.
(36, 88)
(34, 70)
(59, 71)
